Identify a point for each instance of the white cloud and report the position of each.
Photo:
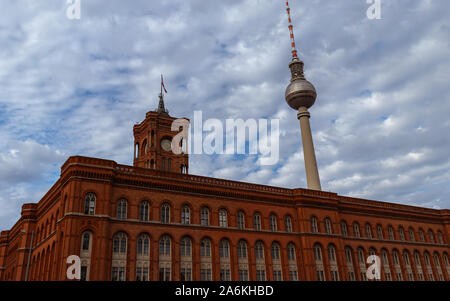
(380, 123)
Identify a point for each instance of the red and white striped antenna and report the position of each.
(291, 29)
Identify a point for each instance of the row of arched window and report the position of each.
(45, 228)
(186, 250)
(205, 213)
(379, 233)
(394, 266)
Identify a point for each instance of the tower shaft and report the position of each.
(312, 173)
(301, 95)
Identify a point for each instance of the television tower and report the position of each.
(301, 95)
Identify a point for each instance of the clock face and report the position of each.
(166, 144)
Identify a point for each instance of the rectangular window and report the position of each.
(115, 274)
(243, 275)
(141, 274)
(138, 274)
(225, 275)
(293, 276)
(257, 222)
(260, 275)
(351, 276)
(164, 274)
(205, 275)
(277, 276)
(118, 274)
(83, 274)
(185, 274)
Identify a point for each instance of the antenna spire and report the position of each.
(291, 29)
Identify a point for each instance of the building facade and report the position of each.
(154, 221)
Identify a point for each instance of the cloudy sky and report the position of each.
(381, 122)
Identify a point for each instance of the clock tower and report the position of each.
(152, 142)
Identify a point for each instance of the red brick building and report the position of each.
(154, 221)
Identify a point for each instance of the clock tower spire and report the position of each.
(153, 142)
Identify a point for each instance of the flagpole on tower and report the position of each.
(161, 107)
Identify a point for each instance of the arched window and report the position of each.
(328, 226)
(185, 259)
(205, 248)
(143, 211)
(431, 236)
(391, 233)
(288, 223)
(275, 251)
(380, 232)
(349, 261)
(120, 243)
(333, 263)
(224, 248)
(276, 262)
(185, 215)
(408, 268)
(411, 235)
(242, 249)
(119, 258)
(314, 226)
(319, 262)
(440, 237)
(401, 233)
(136, 151)
(143, 258)
(344, 230)
(356, 230)
(421, 235)
(225, 263)
(368, 231)
(165, 213)
(362, 264)
(257, 222)
(204, 216)
(164, 245)
(143, 245)
(144, 147)
(426, 257)
(446, 263)
(241, 220)
(386, 267)
(331, 253)
(260, 263)
(259, 250)
(185, 247)
(165, 258)
(292, 261)
(242, 260)
(397, 266)
(85, 255)
(89, 204)
(273, 222)
(437, 265)
(86, 241)
(223, 221)
(418, 266)
(122, 209)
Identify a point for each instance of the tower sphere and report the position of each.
(300, 92)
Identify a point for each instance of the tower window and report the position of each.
(165, 213)
(185, 215)
(89, 204)
(122, 209)
(205, 216)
